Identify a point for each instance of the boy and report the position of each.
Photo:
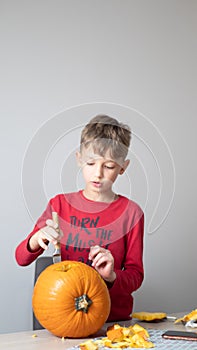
(97, 225)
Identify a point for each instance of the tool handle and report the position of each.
(57, 246)
(55, 218)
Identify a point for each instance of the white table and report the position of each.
(46, 341)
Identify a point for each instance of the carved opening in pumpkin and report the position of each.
(83, 303)
(64, 268)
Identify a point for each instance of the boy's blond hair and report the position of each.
(104, 134)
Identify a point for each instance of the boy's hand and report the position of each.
(48, 234)
(103, 262)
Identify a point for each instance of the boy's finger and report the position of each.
(99, 260)
(51, 223)
(93, 252)
(50, 233)
(42, 244)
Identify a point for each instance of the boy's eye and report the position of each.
(90, 163)
(109, 167)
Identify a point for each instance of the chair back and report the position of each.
(41, 263)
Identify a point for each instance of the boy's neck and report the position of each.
(99, 197)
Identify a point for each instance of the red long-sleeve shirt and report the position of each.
(117, 226)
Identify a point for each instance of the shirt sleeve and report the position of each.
(130, 277)
(23, 254)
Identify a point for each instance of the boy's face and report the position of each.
(100, 172)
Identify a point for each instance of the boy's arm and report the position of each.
(131, 277)
(23, 254)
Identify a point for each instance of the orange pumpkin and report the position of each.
(70, 299)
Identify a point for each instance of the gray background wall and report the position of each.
(60, 63)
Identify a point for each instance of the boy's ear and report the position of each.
(78, 158)
(124, 166)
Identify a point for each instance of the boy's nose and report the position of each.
(99, 171)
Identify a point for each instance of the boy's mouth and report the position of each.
(96, 183)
